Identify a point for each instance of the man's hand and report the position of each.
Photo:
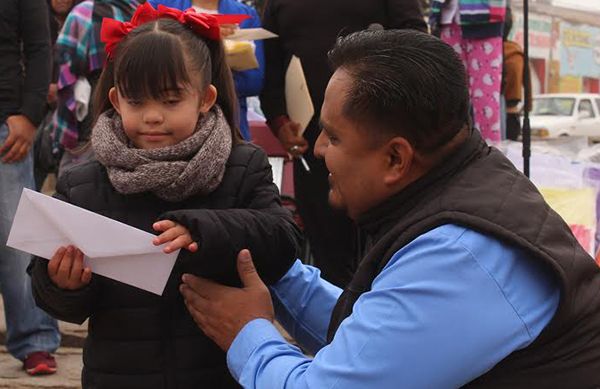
(228, 29)
(52, 94)
(178, 236)
(291, 140)
(20, 138)
(222, 311)
(66, 269)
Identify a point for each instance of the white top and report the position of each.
(205, 10)
(450, 13)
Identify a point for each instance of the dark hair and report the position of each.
(508, 23)
(405, 83)
(159, 56)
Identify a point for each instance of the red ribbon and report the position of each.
(205, 25)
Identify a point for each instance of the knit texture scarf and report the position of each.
(193, 166)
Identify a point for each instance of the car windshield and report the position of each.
(553, 106)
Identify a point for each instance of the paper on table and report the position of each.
(300, 107)
(113, 249)
(251, 34)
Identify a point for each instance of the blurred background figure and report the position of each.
(308, 29)
(474, 30)
(80, 58)
(24, 77)
(513, 80)
(45, 157)
(248, 82)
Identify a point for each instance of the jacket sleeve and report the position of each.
(405, 14)
(73, 306)
(260, 224)
(250, 82)
(272, 98)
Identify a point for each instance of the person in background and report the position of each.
(32, 336)
(80, 57)
(513, 81)
(308, 29)
(46, 158)
(474, 30)
(471, 280)
(248, 82)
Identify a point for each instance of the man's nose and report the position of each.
(321, 145)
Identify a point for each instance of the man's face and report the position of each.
(61, 7)
(356, 165)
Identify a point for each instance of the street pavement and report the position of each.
(68, 357)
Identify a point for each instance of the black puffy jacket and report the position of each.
(140, 340)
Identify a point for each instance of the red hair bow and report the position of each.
(205, 25)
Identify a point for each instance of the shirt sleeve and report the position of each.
(452, 302)
(304, 302)
(36, 49)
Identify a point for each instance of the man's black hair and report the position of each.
(405, 83)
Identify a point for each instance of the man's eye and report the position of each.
(134, 103)
(172, 102)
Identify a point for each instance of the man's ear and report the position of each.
(208, 99)
(399, 158)
(113, 96)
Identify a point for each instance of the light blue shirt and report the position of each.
(447, 308)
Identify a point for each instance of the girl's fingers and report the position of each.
(64, 270)
(77, 267)
(86, 276)
(193, 247)
(179, 242)
(54, 262)
(168, 235)
(163, 225)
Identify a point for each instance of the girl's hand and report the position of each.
(66, 269)
(177, 235)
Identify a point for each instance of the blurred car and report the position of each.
(565, 114)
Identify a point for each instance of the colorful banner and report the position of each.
(540, 34)
(578, 208)
(579, 50)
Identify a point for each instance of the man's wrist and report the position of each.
(252, 336)
(277, 122)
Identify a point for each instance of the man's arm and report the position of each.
(303, 304)
(446, 309)
(272, 98)
(33, 24)
(37, 58)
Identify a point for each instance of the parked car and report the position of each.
(565, 114)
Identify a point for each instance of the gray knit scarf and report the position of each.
(193, 166)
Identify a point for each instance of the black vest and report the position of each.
(478, 187)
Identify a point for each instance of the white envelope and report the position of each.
(113, 249)
(251, 34)
(299, 105)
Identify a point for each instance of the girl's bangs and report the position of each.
(151, 66)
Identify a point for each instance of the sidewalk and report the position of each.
(68, 357)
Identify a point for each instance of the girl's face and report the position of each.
(151, 124)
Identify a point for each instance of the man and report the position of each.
(24, 80)
(468, 278)
(308, 29)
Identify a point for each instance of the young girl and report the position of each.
(168, 150)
